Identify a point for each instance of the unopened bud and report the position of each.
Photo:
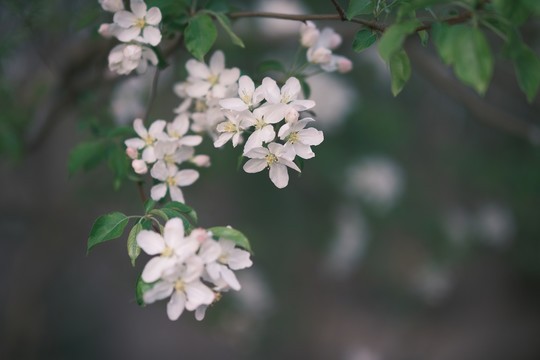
(132, 152)
(344, 65)
(291, 115)
(309, 34)
(321, 56)
(201, 160)
(199, 234)
(139, 166)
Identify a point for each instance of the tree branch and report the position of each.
(340, 10)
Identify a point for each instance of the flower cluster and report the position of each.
(320, 45)
(137, 29)
(190, 269)
(165, 146)
(204, 87)
(261, 111)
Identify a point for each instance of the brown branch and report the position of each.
(367, 23)
(141, 191)
(340, 10)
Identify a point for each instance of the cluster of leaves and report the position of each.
(458, 32)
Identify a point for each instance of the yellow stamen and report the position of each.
(200, 106)
(270, 159)
(293, 137)
(140, 23)
(168, 252)
(229, 127)
(213, 79)
(149, 140)
(179, 285)
(171, 181)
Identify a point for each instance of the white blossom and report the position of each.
(283, 101)
(139, 21)
(231, 129)
(124, 58)
(301, 139)
(172, 179)
(276, 158)
(248, 96)
(147, 138)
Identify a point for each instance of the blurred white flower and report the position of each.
(172, 179)
(124, 58)
(274, 28)
(494, 224)
(112, 5)
(377, 180)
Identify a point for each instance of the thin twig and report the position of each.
(340, 10)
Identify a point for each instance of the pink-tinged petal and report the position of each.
(173, 232)
(155, 268)
(284, 131)
(233, 104)
(257, 153)
(176, 194)
(303, 150)
(230, 278)
(157, 192)
(149, 155)
(271, 90)
(198, 294)
(279, 175)
(210, 251)
(217, 62)
(151, 35)
(160, 291)
(139, 128)
(255, 165)
(301, 105)
(311, 136)
(157, 127)
(200, 312)
(239, 259)
(128, 34)
(197, 69)
(222, 139)
(159, 171)
(151, 242)
(125, 19)
(138, 7)
(191, 140)
(153, 16)
(198, 89)
(229, 76)
(135, 143)
(213, 270)
(175, 306)
(186, 177)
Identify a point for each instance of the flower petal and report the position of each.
(138, 7)
(160, 291)
(135, 143)
(151, 35)
(175, 306)
(128, 34)
(239, 259)
(229, 76)
(153, 16)
(255, 165)
(173, 232)
(279, 175)
(198, 89)
(125, 19)
(198, 294)
(155, 268)
(217, 62)
(157, 192)
(159, 171)
(151, 242)
(233, 104)
(311, 136)
(186, 177)
(139, 128)
(176, 194)
(197, 69)
(230, 278)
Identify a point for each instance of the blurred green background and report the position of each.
(413, 233)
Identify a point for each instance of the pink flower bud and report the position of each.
(291, 115)
(132, 153)
(308, 34)
(201, 160)
(107, 30)
(139, 166)
(320, 56)
(199, 234)
(334, 41)
(344, 65)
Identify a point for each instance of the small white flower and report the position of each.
(276, 158)
(172, 180)
(184, 287)
(147, 138)
(249, 96)
(264, 131)
(301, 139)
(282, 101)
(137, 21)
(172, 248)
(213, 79)
(171, 153)
(231, 129)
(178, 128)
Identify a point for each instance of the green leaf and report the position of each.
(400, 69)
(123, 131)
(512, 10)
(392, 39)
(158, 212)
(473, 58)
(360, 7)
(231, 234)
(200, 35)
(444, 39)
(149, 205)
(107, 227)
(270, 65)
(527, 67)
(86, 156)
(183, 208)
(363, 39)
(132, 247)
(226, 24)
(533, 5)
(424, 37)
(140, 288)
(119, 164)
(171, 213)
